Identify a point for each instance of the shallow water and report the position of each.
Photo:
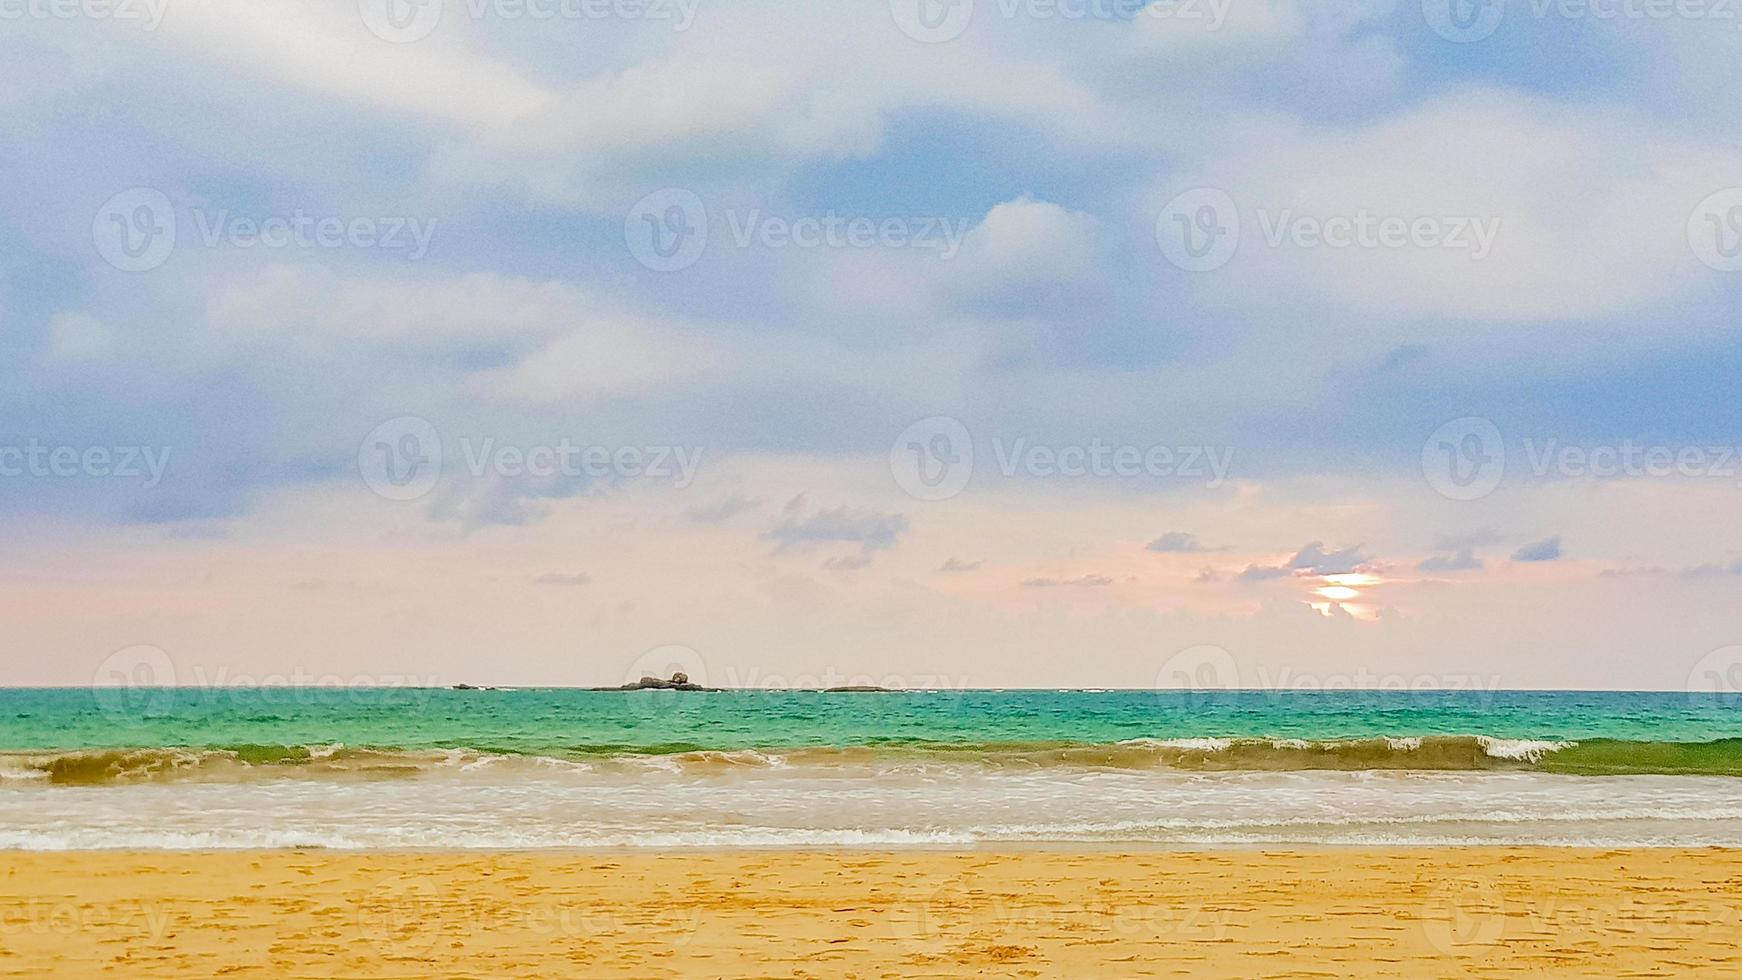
(492, 806)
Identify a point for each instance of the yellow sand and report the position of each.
(1330, 913)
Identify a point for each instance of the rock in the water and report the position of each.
(680, 681)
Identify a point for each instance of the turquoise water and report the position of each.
(556, 720)
(565, 723)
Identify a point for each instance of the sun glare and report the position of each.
(1354, 579)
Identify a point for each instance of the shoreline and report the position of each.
(1104, 911)
(1002, 848)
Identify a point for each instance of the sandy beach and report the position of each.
(1039, 913)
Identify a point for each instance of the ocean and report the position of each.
(561, 768)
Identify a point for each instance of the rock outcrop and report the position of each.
(680, 681)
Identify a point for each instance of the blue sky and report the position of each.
(1006, 202)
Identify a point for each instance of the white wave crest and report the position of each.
(1523, 749)
(1184, 744)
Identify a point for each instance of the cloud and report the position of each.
(1328, 55)
(604, 358)
(394, 309)
(77, 337)
(326, 48)
(489, 501)
(1316, 560)
(870, 530)
(1710, 570)
(587, 146)
(1311, 559)
(1707, 570)
(1539, 179)
(558, 578)
(1023, 254)
(1177, 542)
(739, 97)
(1087, 581)
(1463, 561)
(1639, 571)
(1548, 549)
(723, 511)
(958, 565)
(1479, 538)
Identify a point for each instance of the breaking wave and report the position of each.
(1443, 753)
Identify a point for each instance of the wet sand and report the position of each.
(1480, 912)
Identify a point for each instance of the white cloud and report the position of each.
(1025, 242)
(423, 308)
(597, 141)
(1241, 27)
(77, 337)
(325, 47)
(1589, 209)
(741, 94)
(603, 358)
(1298, 52)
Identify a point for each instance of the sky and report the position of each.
(928, 343)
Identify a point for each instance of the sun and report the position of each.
(1352, 579)
(1341, 591)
